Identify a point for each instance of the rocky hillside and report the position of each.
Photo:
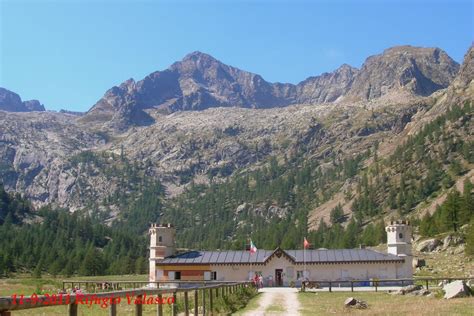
(200, 81)
(246, 129)
(10, 101)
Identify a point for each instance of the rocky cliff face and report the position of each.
(462, 87)
(200, 81)
(404, 69)
(329, 87)
(11, 102)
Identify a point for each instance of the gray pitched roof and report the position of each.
(296, 256)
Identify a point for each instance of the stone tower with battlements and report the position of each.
(399, 235)
(162, 245)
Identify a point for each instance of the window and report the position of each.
(210, 275)
(299, 275)
(160, 238)
(400, 235)
(174, 275)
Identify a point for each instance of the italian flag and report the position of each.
(253, 248)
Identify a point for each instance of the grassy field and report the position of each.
(321, 303)
(25, 284)
(383, 304)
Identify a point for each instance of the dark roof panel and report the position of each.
(355, 255)
(298, 256)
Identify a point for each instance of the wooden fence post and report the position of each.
(330, 286)
(204, 301)
(352, 286)
(159, 311)
(113, 309)
(186, 304)
(210, 301)
(139, 306)
(72, 309)
(196, 302)
(175, 305)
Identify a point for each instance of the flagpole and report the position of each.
(304, 261)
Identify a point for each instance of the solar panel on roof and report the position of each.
(354, 255)
(221, 257)
(232, 256)
(214, 256)
(323, 255)
(237, 257)
(371, 255)
(331, 255)
(206, 257)
(198, 259)
(315, 256)
(291, 253)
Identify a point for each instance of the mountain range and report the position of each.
(200, 81)
(201, 122)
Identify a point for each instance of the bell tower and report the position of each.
(162, 245)
(399, 234)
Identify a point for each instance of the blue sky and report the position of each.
(68, 53)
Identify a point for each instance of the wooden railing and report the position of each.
(8, 304)
(376, 283)
(98, 285)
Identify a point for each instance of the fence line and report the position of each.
(376, 283)
(208, 289)
(8, 304)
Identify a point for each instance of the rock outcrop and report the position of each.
(404, 70)
(11, 102)
(456, 289)
(428, 245)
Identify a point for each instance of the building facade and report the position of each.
(281, 267)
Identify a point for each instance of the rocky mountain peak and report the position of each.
(198, 56)
(11, 102)
(404, 70)
(33, 105)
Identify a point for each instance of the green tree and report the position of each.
(337, 214)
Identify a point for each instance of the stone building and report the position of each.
(281, 267)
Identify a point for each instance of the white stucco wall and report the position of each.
(320, 272)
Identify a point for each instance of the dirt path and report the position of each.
(277, 301)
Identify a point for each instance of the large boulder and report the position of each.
(452, 240)
(456, 289)
(352, 302)
(428, 245)
(408, 289)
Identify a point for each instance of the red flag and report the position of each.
(306, 244)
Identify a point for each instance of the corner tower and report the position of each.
(399, 235)
(162, 245)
